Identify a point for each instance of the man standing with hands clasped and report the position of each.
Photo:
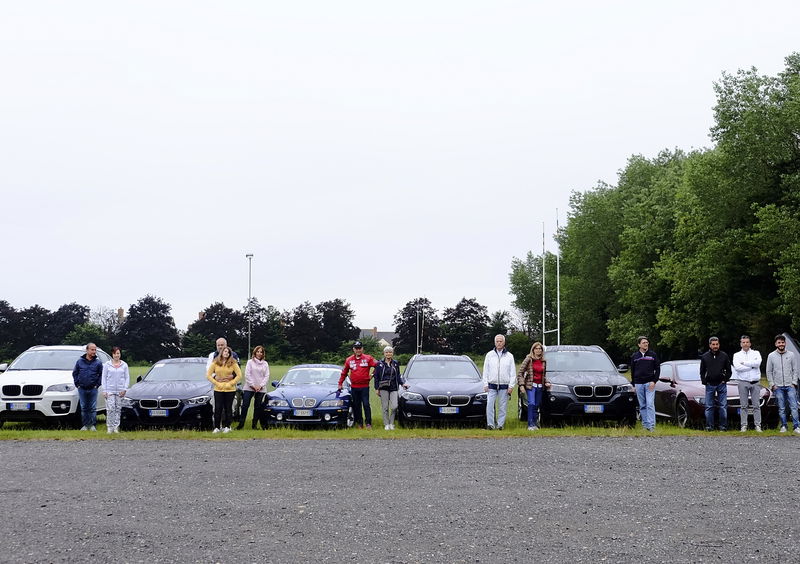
(645, 370)
(499, 376)
(715, 371)
(783, 376)
(87, 376)
(358, 365)
(747, 374)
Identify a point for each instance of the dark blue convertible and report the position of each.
(308, 395)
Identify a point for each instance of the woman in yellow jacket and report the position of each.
(224, 373)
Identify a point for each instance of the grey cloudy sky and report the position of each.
(370, 151)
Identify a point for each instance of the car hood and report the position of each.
(43, 377)
(316, 392)
(181, 389)
(587, 378)
(425, 387)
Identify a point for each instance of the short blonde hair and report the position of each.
(388, 349)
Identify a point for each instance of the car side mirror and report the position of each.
(622, 368)
(138, 378)
(3, 367)
(275, 383)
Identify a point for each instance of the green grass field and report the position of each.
(513, 428)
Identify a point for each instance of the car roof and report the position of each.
(59, 348)
(573, 348)
(684, 361)
(197, 359)
(316, 366)
(438, 357)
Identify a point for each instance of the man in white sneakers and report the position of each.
(782, 376)
(499, 377)
(747, 375)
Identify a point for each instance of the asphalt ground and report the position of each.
(716, 498)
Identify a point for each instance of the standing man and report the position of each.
(747, 374)
(715, 371)
(358, 365)
(782, 376)
(645, 369)
(499, 376)
(221, 343)
(87, 375)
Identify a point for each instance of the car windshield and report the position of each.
(50, 359)
(169, 371)
(578, 361)
(689, 371)
(305, 376)
(455, 369)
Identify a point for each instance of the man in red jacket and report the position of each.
(358, 365)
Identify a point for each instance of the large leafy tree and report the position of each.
(64, 319)
(218, 320)
(417, 322)
(303, 327)
(149, 331)
(32, 327)
(464, 327)
(266, 328)
(88, 333)
(336, 319)
(526, 287)
(9, 320)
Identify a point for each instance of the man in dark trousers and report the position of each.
(645, 370)
(87, 376)
(715, 371)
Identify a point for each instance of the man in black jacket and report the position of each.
(645, 370)
(715, 371)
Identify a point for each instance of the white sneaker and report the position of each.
(84, 428)
(109, 431)
(783, 429)
(386, 427)
(758, 429)
(796, 431)
(93, 428)
(216, 430)
(391, 427)
(743, 429)
(116, 429)
(226, 430)
(533, 428)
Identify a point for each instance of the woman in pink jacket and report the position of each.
(256, 376)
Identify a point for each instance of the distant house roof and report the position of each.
(383, 337)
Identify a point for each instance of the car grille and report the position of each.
(437, 400)
(459, 400)
(169, 403)
(593, 391)
(440, 401)
(303, 402)
(11, 390)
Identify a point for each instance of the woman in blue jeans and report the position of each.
(532, 380)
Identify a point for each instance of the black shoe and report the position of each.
(240, 426)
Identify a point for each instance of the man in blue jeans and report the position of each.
(499, 376)
(645, 370)
(715, 371)
(782, 375)
(87, 375)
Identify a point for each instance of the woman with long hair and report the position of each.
(115, 380)
(256, 376)
(224, 373)
(531, 379)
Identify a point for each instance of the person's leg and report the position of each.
(641, 398)
(744, 392)
(385, 407)
(755, 395)
(392, 407)
(722, 406)
(502, 396)
(112, 412)
(218, 407)
(367, 408)
(532, 407)
(650, 398)
(780, 400)
(355, 401)
(247, 395)
(709, 401)
(83, 399)
(258, 407)
(490, 401)
(237, 408)
(791, 395)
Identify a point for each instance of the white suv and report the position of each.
(38, 385)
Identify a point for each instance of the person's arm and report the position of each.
(210, 373)
(248, 373)
(238, 372)
(756, 360)
(770, 372)
(512, 373)
(739, 364)
(126, 381)
(75, 373)
(104, 378)
(703, 370)
(522, 369)
(657, 369)
(484, 376)
(345, 370)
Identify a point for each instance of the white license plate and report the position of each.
(159, 412)
(448, 410)
(19, 406)
(593, 409)
(302, 412)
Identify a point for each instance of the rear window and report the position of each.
(51, 359)
(456, 369)
(579, 361)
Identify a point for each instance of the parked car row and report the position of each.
(585, 385)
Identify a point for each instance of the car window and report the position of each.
(46, 360)
(579, 361)
(689, 371)
(304, 376)
(168, 371)
(442, 370)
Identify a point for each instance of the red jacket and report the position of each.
(358, 369)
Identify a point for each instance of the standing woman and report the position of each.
(531, 379)
(387, 384)
(115, 380)
(256, 376)
(224, 373)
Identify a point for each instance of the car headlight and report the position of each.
(278, 403)
(559, 389)
(483, 396)
(60, 388)
(624, 389)
(411, 396)
(199, 400)
(700, 399)
(332, 403)
(128, 402)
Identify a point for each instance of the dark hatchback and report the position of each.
(173, 393)
(442, 388)
(586, 385)
(308, 395)
(680, 397)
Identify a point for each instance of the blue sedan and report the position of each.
(308, 395)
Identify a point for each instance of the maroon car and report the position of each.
(680, 397)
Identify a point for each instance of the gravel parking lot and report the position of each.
(661, 499)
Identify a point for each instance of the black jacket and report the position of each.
(645, 368)
(390, 371)
(715, 368)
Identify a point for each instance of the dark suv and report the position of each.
(585, 384)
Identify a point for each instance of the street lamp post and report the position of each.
(249, 257)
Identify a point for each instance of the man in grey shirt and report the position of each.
(783, 377)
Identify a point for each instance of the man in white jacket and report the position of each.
(747, 375)
(499, 377)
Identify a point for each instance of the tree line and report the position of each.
(688, 244)
(308, 333)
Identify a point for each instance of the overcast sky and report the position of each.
(371, 151)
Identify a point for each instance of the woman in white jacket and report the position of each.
(115, 384)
